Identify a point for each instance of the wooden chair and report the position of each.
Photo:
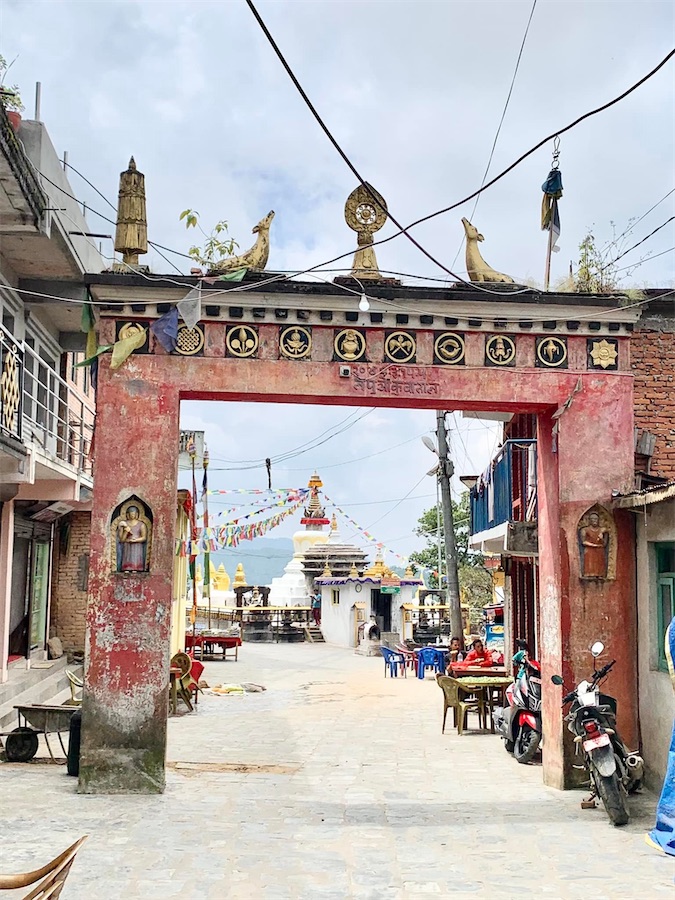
(183, 662)
(53, 876)
(461, 706)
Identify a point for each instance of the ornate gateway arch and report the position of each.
(563, 357)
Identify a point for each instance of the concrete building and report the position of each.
(46, 403)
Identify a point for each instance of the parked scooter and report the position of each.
(614, 771)
(519, 723)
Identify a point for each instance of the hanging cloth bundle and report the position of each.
(550, 217)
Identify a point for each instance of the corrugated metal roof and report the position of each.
(655, 494)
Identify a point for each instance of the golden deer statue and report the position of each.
(256, 257)
(476, 266)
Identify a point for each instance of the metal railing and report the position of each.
(11, 384)
(55, 416)
(509, 492)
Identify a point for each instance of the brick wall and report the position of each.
(71, 571)
(653, 364)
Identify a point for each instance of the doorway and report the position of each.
(380, 605)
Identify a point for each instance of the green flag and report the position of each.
(124, 348)
(89, 360)
(87, 321)
(234, 275)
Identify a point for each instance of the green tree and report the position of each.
(475, 583)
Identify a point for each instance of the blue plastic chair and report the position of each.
(427, 658)
(392, 661)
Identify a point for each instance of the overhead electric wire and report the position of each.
(630, 249)
(348, 162)
(501, 121)
(261, 463)
(641, 262)
(350, 165)
(632, 225)
(426, 218)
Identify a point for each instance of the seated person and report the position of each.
(455, 653)
(478, 656)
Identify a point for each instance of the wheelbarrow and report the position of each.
(21, 744)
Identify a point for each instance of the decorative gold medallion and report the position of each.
(130, 329)
(10, 392)
(449, 348)
(189, 340)
(349, 345)
(603, 354)
(400, 347)
(241, 341)
(551, 352)
(295, 342)
(500, 350)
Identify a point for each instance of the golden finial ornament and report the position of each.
(326, 571)
(131, 233)
(333, 523)
(353, 572)
(365, 213)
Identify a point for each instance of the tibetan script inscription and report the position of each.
(395, 381)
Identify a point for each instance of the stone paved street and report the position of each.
(335, 783)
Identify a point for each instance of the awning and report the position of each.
(639, 499)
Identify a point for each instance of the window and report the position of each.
(665, 596)
(335, 596)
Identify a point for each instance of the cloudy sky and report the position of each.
(414, 92)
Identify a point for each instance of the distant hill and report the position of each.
(263, 559)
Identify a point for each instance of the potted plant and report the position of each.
(9, 96)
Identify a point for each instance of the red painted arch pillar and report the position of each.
(589, 456)
(125, 708)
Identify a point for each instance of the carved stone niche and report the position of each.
(131, 537)
(596, 536)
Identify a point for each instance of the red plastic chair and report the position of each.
(408, 655)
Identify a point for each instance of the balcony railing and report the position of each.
(507, 491)
(55, 416)
(11, 384)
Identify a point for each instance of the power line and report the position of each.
(625, 252)
(501, 121)
(439, 212)
(348, 162)
(646, 259)
(632, 225)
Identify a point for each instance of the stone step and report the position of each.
(314, 634)
(54, 688)
(20, 678)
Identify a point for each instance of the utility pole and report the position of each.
(445, 470)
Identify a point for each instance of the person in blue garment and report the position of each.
(662, 836)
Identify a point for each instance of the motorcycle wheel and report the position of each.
(508, 745)
(613, 798)
(526, 745)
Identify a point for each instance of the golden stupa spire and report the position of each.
(239, 576)
(315, 515)
(131, 234)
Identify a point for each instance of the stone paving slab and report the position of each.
(335, 783)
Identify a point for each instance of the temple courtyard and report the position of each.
(334, 783)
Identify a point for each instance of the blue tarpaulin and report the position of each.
(663, 835)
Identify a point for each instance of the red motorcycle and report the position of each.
(519, 723)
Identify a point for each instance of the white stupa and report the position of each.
(293, 588)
